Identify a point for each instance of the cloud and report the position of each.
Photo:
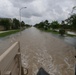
(37, 10)
(20, 3)
(5, 8)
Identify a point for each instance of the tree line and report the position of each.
(67, 24)
(14, 23)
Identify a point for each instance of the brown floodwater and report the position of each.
(40, 49)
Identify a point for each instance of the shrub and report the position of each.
(61, 32)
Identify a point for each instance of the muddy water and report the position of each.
(40, 49)
(6, 42)
(70, 40)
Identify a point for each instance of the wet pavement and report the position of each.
(41, 49)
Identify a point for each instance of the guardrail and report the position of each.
(10, 61)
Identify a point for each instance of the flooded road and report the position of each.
(40, 49)
(70, 40)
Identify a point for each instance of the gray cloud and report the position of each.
(37, 10)
(20, 3)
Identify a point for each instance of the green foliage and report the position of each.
(16, 24)
(55, 25)
(40, 25)
(6, 23)
(46, 25)
(43, 25)
(27, 25)
(71, 21)
(61, 32)
(69, 24)
(22, 24)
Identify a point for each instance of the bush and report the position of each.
(61, 32)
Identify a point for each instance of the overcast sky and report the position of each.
(37, 10)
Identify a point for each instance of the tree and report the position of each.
(40, 25)
(6, 23)
(22, 24)
(71, 21)
(43, 25)
(61, 32)
(16, 24)
(27, 25)
(46, 24)
(62, 29)
(55, 25)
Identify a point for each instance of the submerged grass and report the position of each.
(56, 32)
(71, 35)
(52, 31)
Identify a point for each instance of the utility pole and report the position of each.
(20, 17)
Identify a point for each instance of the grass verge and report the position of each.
(9, 33)
(52, 31)
(56, 32)
(71, 35)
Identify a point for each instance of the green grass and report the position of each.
(9, 33)
(52, 31)
(71, 35)
(56, 32)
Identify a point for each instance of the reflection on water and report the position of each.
(69, 40)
